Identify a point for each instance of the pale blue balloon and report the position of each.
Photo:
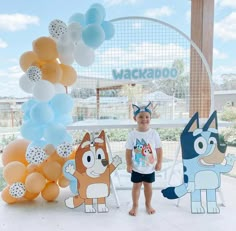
(64, 119)
(100, 8)
(41, 113)
(61, 103)
(93, 35)
(55, 134)
(77, 17)
(109, 29)
(32, 131)
(93, 15)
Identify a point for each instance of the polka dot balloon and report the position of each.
(17, 190)
(34, 73)
(64, 150)
(35, 155)
(57, 28)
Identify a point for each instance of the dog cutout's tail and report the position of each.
(73, 202)
(174, 192)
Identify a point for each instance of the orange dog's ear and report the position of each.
(102, 135)
(86, 138)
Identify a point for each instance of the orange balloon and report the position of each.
(15, 151)
(63, 181)
(30, 196)
(35, 182)
(69, 75)
(14, 171)
(52, 72)
(45, 48)
(56, 157)
(50, 192)
(32, 168)
(27, 59)
(52, 170)
(7, 197)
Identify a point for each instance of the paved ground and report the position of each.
(39, 215)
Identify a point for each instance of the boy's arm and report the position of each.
(128, 156)
(159, 152)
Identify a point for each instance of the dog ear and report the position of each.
(193, 124)
(211, 122)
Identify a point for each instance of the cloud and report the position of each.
(219, 55)
(159, 12)
(226, 28)
(222, 70)
(227, 3)
(120, 2)
(15, 22)
(143, 54)
(3, 44)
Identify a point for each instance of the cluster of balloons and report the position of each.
(33, 165)
(28, 181)
(84, 33)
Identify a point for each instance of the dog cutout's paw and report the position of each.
(90, 209)
(70, 202)
(102, 208)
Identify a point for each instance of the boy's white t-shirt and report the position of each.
(143, 146)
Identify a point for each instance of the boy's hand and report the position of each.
(129, 168)
(158, 166)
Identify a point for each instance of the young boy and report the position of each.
(143, 157)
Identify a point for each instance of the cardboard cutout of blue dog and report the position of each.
(204, 160)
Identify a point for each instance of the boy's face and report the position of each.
(143, 120)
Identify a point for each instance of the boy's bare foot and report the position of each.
(133, 211)
(150, 210)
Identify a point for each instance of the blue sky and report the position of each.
(23, 21)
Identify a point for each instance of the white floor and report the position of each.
(39, 215)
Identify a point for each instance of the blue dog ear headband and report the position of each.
(138, 109)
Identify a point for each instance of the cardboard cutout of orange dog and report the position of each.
(92, 171)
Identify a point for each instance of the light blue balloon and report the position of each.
(64, 119)
(108, 29)
(41, 113)
(27, 105)
(93, 35)
(93, 15)
(38, 143)
(55, 134)
(61, 103)
(77, 17)
(100, 8)
(31, 131)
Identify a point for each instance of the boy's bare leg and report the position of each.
(135, 196)
(148, 197)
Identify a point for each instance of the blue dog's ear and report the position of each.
(193, 124)
(211, 122)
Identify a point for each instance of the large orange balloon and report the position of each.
(52, 170)
(30, 196)
(45, 48)
(52, 72)
(56, 157)
(6, 196)
(27, 59)
(35, 182)
(63, 181)
(14, 171)
(15, 151)
(50, 192)
(69, 75)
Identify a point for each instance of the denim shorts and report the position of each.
(137, 177)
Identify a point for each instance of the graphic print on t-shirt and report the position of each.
(143, 154)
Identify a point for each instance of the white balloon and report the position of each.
(57, 28)
(65, 48)
(59, 88)
(84, 55)
(17, 190)
(75, 31)
(26, 84)
(35, 155)
(43, 90)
